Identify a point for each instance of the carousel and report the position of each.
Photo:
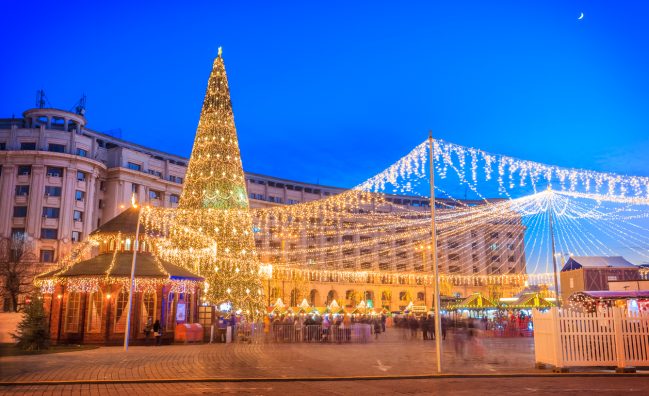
(88, 294)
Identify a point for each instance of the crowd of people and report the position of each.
(318, 327)
(424, 324)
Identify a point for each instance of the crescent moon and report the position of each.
(581, 16)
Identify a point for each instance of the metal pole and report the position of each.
(136, 245)
(433, 249)
(554, 255)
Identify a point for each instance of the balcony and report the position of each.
(50, 223)
(54, 180)
(51, 200)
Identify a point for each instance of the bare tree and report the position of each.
(17, 260)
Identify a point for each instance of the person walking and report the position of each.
(147, 330)
(325, 329)
(377, 328)
(266, 328)
(157, 330)
(444, 326)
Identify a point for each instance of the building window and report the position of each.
(81, 176)
(3, 146)
(79, 195)
(47, 256)
(20, 211)
(56, 148)
(24, 170)
(153, 194)
(52, 191)
(93, 318)
(77, 215)
(155, 173)
(454, 257)
(512, 259)
(148, 309)
(170, 311)
(134, 188)
(76, 236)
(120, 312)
(495, 259)
(175, 179)
(474, 245)
(72, 312)
(82, 153)
(173, 198)
(51, 213)
(572, 283)
(28, 146)
(54, 171)
(49, 233)
(22, 190)
(133, 166)
(474, 257)
(17, 233)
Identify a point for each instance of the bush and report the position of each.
(33, 330)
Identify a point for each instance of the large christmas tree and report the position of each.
(214, 202)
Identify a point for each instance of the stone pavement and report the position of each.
(453, 386)
(390, 355)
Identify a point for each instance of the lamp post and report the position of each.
(136, 244)
(60, 298)
(554, 254)
(433, 248)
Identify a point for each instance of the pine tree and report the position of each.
(214, 201)
(33, 331)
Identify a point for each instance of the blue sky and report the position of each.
(333, 92)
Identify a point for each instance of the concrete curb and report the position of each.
(317, 379)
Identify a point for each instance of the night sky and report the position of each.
(332, 92)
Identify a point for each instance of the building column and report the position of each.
(35, 201)
(8, 191)
(89, 209)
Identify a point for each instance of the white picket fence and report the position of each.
(615, 337)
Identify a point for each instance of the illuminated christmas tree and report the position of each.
(214, 204)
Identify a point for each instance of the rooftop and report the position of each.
(577, 262)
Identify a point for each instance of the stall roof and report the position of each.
(577, 262)
(530, 300)
(607, 294)
(474, 301)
